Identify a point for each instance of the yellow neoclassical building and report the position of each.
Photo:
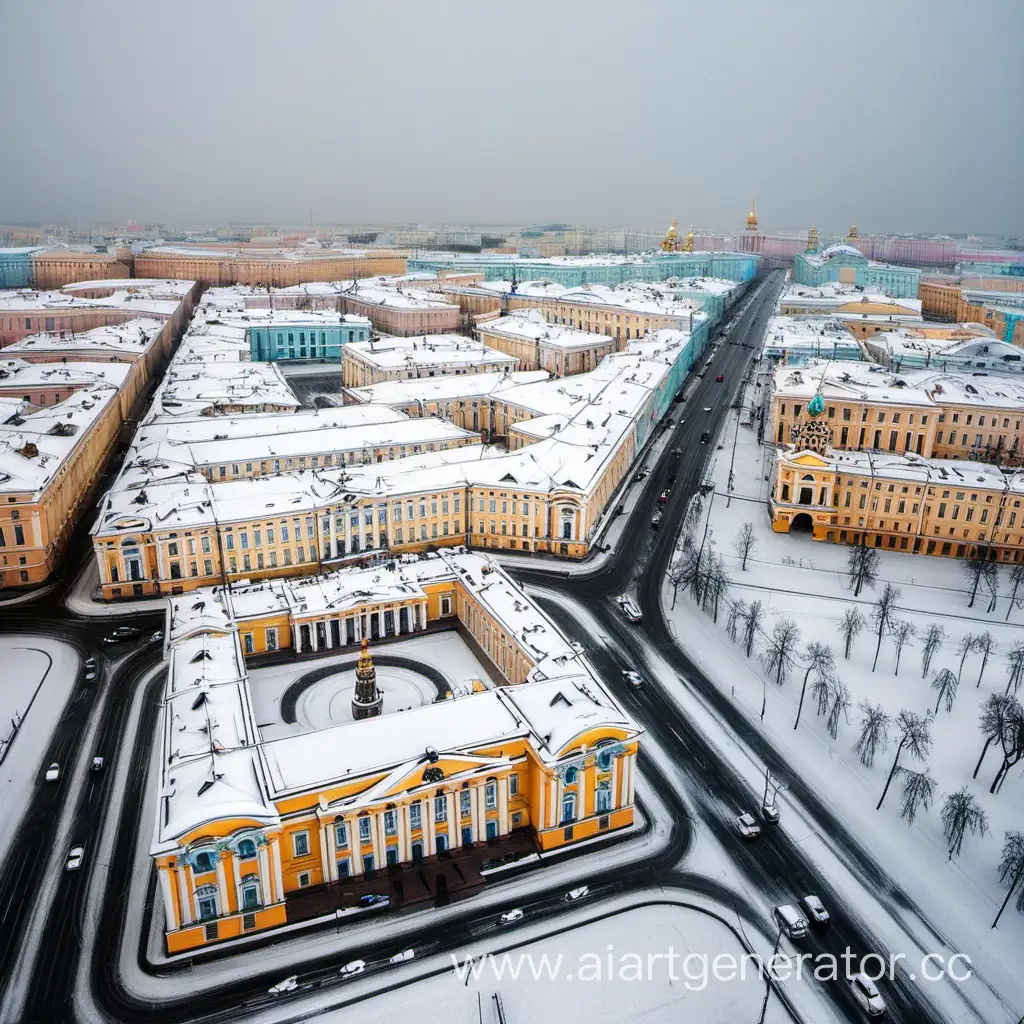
(254, 832)
(899, 502)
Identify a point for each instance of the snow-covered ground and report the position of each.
(328, 701)
(39, 675)
(615, 969)
(796, 577)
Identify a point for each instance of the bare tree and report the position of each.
(874, 732)
(933, 640)
(752, 625)
(717, 585)
(974, 569)
(961, 814)
(882, 615)
(820, 660)
(1012, 742)
(915, 735)
(677, 571)
(945, 685)
(839, 707)
(850, 625)
(737, 612)
(691, 520)
(862, 565)
(991, 579)
(999, 712)
(1016, 579)
(780, 655)
(745, 543)
(918, 791)
(985, 644)
(1015, 665)
(821, 691)
(902, 633)
(966, 645)
(1011, 871)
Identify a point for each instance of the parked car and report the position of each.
(707, 408)
(629, 608)
(288, 985)
(705, 437)
(620, 509)
(371, 899)
(867, 995)
(75, 858)
(121, 634)
(641, 474)
(815, 910)
(633, 678)
(790, 920)
(576, 894)
(511, 916)
(656, 519)
(157, 637)
(720, 378)
(770, 812)
(576, 646)
(97, 764)
(352, 968)
(748, 827)
(677, 452)
(91, 670)
(53, 772)
(663, 497)
(400, 958)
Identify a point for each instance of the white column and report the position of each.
(376, 831)
(266, 879)
(453, 822)
(348, 531)
(236, 876)
(223, 904)
(429, 831)
(615, 783)
(404, 834)
(423, 618)
(170, 915)
(332, 853)
(503, 806)
(275, 861)
(185, 892)
(632, 769)
(325, 861)
(474, 812)
(554, 810)
(356, 846)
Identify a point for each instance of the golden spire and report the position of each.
(670, 243)
(689, 241)
(812, 238)
(853, 230)
(752, 216)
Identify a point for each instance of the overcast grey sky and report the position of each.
(903, 114)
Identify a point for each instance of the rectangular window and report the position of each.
(415, 815)
(364, 830)
(300, 843)
(513, 785)
(465, 802)
(491, 795)
(390, 823)
(440, 808)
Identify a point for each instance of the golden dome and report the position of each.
(853, 230)
(812, 238)
(689, 241)
(752, 217)
(671, 240)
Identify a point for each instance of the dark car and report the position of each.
(91, 670)
(705, 437)
(121, 634)
(720, 378)
(663, 497)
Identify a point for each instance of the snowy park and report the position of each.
(317, 698)
(890, 682)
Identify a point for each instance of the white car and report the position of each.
(75, 858)
(576, 894)
(53, 772)
(633, 678)
(576, 646)
(748, 826)
(97, 764)
(867, 995)
(288, 985)
(400, 958)
(815, 910)
(352, 968)
(511, 916)
(629, 608)
(770, 813)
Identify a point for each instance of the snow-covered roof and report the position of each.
(831, 295)
(138, 301)
(154, 287)
(16, 373)
(800, 333)
(201, 389)
(450, 387)
(426, 350)
(530, 325)
(389, 294)
(127, 340)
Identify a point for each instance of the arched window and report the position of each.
(604, 798)
(246, 849)
(491, 794)
(568, 808)
(250, 892)
(206, 901)
(604, 760)
(570, 776)
(204, 861)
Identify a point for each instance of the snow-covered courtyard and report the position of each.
(323, 698)
(807, 583)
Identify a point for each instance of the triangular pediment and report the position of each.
(809, 458)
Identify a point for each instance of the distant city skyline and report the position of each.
(900, 117)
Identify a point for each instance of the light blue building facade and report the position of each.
(305, 340)
(845, 263)
(571, 273)
(993, 268)
(17, 267)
